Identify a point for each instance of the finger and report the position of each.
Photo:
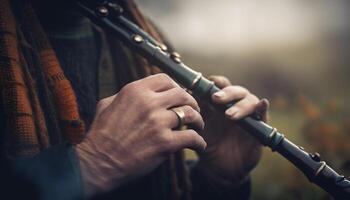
(191, 117)
(158, 82)
(242, 108)
(220, 81)
(176, 97)
(187, 139)
(261, 109)
(229, 94)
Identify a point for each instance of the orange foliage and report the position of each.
(310, 109)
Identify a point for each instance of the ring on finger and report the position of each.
(181, 117)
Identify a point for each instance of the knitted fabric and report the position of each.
(64, 98)
(26, 131)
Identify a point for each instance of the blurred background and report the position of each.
(293, 52)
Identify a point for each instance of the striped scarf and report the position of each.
(26, 130)
(29, 114)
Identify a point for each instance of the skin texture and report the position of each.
(132, 133)
(231, 153)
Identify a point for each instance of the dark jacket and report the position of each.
(89, 57)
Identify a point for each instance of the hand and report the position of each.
(231, 153)
(132, 132)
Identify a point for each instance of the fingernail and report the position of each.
(219, 94)
(231, 112)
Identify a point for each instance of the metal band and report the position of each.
(273, 133)
(198, 77)
(323, 165)
(181, 116)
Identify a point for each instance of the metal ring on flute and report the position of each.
(195, 81)
(181, 116)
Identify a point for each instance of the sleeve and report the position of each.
(51, 175)
(205, 187)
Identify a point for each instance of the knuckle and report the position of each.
(188, 99)
(215, 78)
(240, 89)
(145, 115)
(180, 91)
(100, 103)
(129, 88)
(144, 99)
(181, 94)
(252, 99)
(190, 114)
(225, 79)
(193, 138)
(192, 99)
(152, 119)
(245, 90)
(221, 79)
(255, 99)
(192, 133)
(183, 98)
(150, 102)
(165, 143)
(163, 77)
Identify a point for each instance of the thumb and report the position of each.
(262, 109)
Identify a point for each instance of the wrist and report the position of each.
(98, 174)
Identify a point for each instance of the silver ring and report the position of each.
(180, 115)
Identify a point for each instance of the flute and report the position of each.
(109, 15)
